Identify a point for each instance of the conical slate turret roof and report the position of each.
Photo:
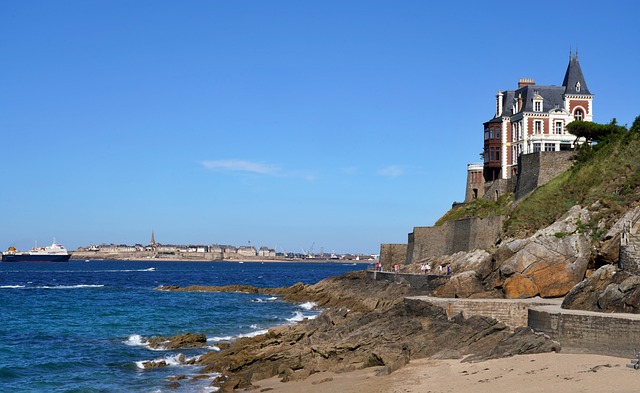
(574, 82)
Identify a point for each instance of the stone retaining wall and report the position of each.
(511, 312)
(536, 169)
(591, 332)
(613, 334)
(393, 254)
(453, 236)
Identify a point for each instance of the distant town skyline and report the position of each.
(338, 124)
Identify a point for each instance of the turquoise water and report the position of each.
(80, 326)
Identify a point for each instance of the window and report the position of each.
(491, 133)
(558, 127)
(578, 87)
(486, 133)
(497, 154)
(497, 133)
(578, 114)
(537, 126)
(536, 147)
(549, 147)
(537, 106)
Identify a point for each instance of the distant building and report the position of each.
(266, 252)
(247, 251)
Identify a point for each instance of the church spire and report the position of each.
(574, 82)
(153, 239)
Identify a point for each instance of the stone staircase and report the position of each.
(630, 246)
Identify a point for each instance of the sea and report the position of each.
(81, 326)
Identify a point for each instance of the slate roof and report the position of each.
(573, 76)
(551, 95)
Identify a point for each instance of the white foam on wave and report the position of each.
(308, 305)
(255, 333)
(171, 360)
(136, 340)
(223, 338)
(297, 317)
(11, 286)
(80, 286)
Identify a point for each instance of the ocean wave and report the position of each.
(79, 286)
(308, 305)
(254, 333)
(171, 360)
(297, 317)
(136, 340)
(218, 339)
(264, 299)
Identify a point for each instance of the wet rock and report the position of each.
(187, 340)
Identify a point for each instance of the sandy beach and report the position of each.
(554, 372)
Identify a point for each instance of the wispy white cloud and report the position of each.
(240, 166)
(391, 171)
(254, 167)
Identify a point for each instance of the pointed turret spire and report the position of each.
(574, 82)
(153, 239)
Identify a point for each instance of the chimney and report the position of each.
(519, 102)
(526, 82)
(499, 104)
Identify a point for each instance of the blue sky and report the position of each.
(337, 124)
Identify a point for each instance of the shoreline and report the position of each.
(80, 256)
(558, 372)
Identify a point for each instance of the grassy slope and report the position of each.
(608, 173)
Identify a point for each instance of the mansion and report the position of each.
(530, 119)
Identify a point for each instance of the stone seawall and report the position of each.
(511, 312)
(590, 332)
(614, 334)
(393, 254)
(453, 236)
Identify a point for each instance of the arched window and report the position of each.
(578, 114)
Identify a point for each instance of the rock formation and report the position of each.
(367, 324)
(607, 290)
(547, 264)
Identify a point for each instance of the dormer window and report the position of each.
(578, 87)
(537, 103)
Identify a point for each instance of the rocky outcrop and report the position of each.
(350, 290)
(366, 323)
(607, 290)
(547, 264)
(186, 340)
(341, 340)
